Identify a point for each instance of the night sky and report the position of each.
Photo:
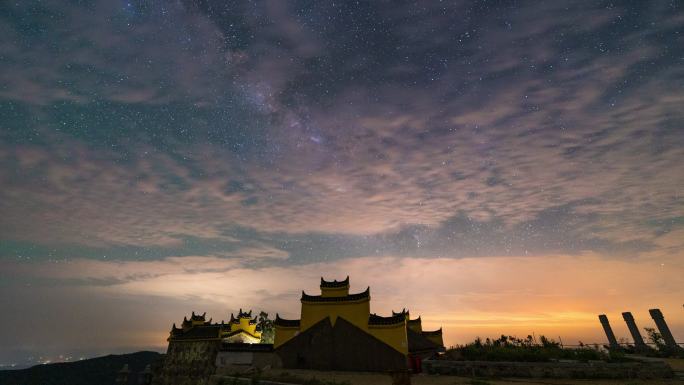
(496, 167)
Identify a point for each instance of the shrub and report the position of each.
(509, 348)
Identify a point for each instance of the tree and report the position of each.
(266, 326)
(655, 338)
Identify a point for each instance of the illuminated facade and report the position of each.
(240, 329)
(243, 329)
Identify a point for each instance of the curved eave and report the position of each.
(358, 297)
(437, 332)
(286, 323)
(394, 320)
(182, 338)
(295, 327)
(242, 331)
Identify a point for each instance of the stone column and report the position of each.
(657, 316)
(639, 343)
(612, 342)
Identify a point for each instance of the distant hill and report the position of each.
(94, 371)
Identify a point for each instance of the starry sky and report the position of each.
(496, 167)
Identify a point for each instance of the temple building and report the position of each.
(191, 352)
(240, 329)
(243, 329)
(195, 328)
(337, 331)
(416, 326)
(198, 346)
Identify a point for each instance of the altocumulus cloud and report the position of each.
(209, 153)
(522, 125)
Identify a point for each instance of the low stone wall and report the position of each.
(188, 363)
(231, 362)
(230, 380)
(579, 370)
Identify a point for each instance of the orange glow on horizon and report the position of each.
(469, 297)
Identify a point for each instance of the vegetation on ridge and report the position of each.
(509, 348)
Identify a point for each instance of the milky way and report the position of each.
(157, 154)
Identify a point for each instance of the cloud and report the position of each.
(519, 295)
(130, 54)
(74, 193)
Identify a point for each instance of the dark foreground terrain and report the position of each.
(100, 370)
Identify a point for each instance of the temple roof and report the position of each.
(286, 322)
(415, 320)
(197, 317)
(242, 314)
(335, 283)
(437, 332)
(418, 343)
(375, 319)
(351, 297)
(203, 332)
(403, 311)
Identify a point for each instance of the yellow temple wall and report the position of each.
(355, 312)
(283, 334)
(392, 335)
(334, 291)
(245, 325)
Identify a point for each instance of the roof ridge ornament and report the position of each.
(335, 283)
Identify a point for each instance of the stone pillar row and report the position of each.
(639, 343)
